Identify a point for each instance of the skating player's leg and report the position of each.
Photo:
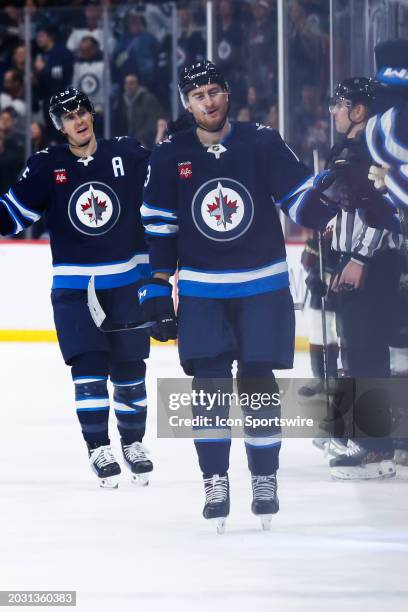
(90, 376)
(213, 439)
(262, 442)
(130, 404)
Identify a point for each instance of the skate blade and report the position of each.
(140, 480)
(110, 482)
(375, 471)
(266, 520)
(402, 471)
(321, 444)
(219, 523)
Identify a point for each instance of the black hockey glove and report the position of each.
(333, 188)
(156, 304)
(316, 286)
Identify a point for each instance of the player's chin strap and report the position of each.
(99, 316)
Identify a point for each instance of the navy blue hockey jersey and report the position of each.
(387, 140)
(91, 209)
(210, 211)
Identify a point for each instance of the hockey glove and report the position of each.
(156, 304)
(316, 286)
(333, 188)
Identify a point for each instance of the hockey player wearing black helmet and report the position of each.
(387, 133)
(205, 94)
(88, 191)
(72, 112)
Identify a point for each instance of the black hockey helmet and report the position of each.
(356, 90)
(197, 75)
(67, 101)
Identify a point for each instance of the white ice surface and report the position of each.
(334, 546)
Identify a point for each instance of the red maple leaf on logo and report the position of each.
(222, 209)
(94, 208)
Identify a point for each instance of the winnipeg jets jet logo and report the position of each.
(94, 208)
(222, 209)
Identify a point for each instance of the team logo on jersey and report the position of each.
(185, 170)
(60, 176)
(94, 208)
(222, 209)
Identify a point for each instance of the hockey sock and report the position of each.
(213, 442)
(92, 407)
(262, 442)
(90, 375)
(130, 401)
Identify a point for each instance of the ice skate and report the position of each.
(401, 461)
(332, 447)
(135, 455)
(265, 501)
(358, 463)
(311, 389)
(104, 465)
(217, 500)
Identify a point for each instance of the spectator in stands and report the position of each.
(305, 49)
(255, 105)
(89, 71)
(53, 67)
(272, 117)
(13, 92)
(261, 49)
(191, 44)
(18, 58)
(92, 27)
(39, 139)
(137, 112)
(229, 50)
(244, 114)
(161, 130)
(191, 48)
(39, 142)
(11, 150)
(310, 126)
(137, 50)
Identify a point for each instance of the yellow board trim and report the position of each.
(48, 335)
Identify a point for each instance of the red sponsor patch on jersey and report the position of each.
(60, 176)
(185, 170)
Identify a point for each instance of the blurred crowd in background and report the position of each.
(79, 42)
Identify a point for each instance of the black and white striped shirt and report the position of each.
(352, 236)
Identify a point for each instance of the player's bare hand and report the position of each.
(352, 277)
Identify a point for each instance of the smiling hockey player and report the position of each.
(90, 192)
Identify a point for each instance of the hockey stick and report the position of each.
(100, 318)
(323, 301)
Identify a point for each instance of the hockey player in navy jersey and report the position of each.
(209, 212)
(387, 135)
(90, 192)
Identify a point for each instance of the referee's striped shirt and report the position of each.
(352, 236)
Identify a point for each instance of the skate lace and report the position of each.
(102, 456)
(264, 487)
(135, 452)
(216, 489)
(352, 449)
